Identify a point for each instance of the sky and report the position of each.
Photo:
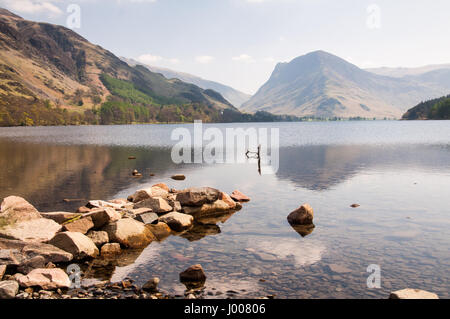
(239, 42)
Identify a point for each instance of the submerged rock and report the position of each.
(129, 233)
(194, 276)
(177, 221)
(47, 279)
(304, 230)
(178, 177)
(79, 245)
(151, 285)
(303, 215)
(109, 250)
(413, 294)
(160, 230)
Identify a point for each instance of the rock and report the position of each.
(162, 186)
(35, 230)
(197, 196)
(136, 173)
(2, 271)
(8, 289)
(151, 285)
(109, 250)
(355, 205)
(193, 276)
(228, 200)
(239, 197)
(131, 157)
(177, 221)
(50, 253)
(103, 217)
(82, 225)
(143, 194)
(31, 264)
(60, 217)
(83, 210)
(219, 206)
(26, 250)
(304, 230)
(142, 210)
(304, 215)
(47, 279)
(23, 222)
(14, 209)
(11, 257)
(147, 218)
(178, 177)
(161, 230)
(79, 245)
(339, 269)
(99, 238)
(413, 294)
(94, 204)
(129, 233)
(157, 204)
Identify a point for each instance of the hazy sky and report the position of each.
(239, 42)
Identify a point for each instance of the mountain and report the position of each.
(401, 72)
(234, 96)
(51, 75)
(320, 84)
(436, 109)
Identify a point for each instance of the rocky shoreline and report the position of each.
(41, 254)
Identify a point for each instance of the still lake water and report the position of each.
(399, 172)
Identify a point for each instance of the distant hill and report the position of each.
(436, 109)
(323, 85)
(401, 72)
(51, 75)
(234, 96)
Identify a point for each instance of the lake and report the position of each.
(399, 172)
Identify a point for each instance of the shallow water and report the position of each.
(399, 172)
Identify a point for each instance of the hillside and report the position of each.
(436, 109)
(402, 72)
(51, 75)
(234, 96)
(320, 84)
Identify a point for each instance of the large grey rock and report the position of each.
(79, 245)
(177, 221)
(157, 205)
(197, 196)
(103, 216)
(129, 233)
(8, 289)
(47, 279)
(413, 294)
(304, 215)
(147, 218)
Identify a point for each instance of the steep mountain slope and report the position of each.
(48, 65)
(234, 96)
(436, 109)
(320, 84)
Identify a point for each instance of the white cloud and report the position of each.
(243, 58)
(32, 6)
(156, 60)
(204, 59)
